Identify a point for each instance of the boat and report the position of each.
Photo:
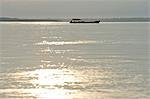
(84, 21)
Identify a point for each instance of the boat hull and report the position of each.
(85, 22)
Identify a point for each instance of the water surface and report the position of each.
(56, 60)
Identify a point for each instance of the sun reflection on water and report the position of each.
(50, 83)
(52, 94)
(44, 84)
(53, 77)
(44, 42)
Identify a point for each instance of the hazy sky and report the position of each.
(74, 8)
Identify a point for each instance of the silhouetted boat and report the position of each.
(83, 21)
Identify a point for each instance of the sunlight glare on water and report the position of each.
(64, 43)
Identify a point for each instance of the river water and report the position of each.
(59, 60)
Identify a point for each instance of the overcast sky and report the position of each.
(74, 8)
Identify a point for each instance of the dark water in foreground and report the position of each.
(74, 61)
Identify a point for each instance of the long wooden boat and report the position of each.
(83, 21)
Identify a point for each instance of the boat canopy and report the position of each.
(76, 19)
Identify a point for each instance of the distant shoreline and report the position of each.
(67, 20)
(30, 20)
